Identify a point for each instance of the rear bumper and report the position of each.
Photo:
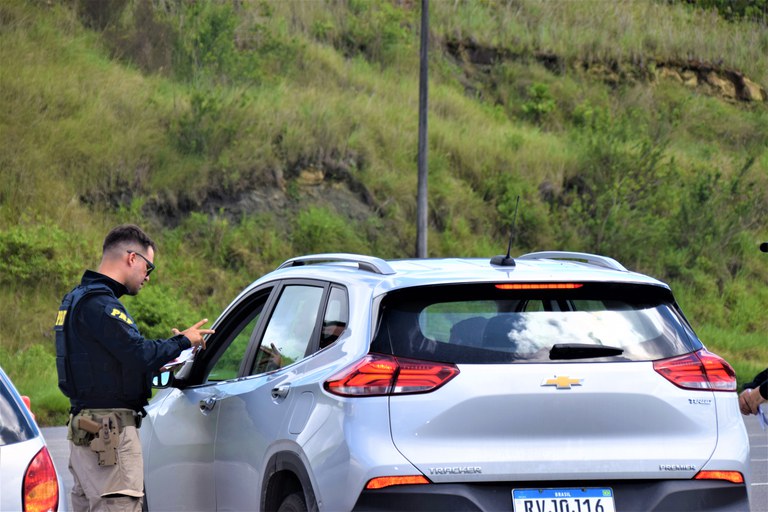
(637, 495)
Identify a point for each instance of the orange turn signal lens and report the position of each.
(731, 476)
(388, 481)
(539, 286)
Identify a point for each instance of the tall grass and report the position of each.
(626, 30)
(76, 125)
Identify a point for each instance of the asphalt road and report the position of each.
(56, 438)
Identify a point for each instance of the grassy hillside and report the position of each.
(243, 133)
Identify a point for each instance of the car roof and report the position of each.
(387, 275)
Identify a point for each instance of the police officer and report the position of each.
(105, 368)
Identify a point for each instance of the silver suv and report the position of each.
(550, 382)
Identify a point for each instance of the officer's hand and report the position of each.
(195, 334)
(750, 400)
(743, 402)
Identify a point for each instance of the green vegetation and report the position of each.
(240, 134)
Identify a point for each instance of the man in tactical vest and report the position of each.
(105, 368)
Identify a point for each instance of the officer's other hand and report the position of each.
(195, 334)
(743, 405)
(750, 400)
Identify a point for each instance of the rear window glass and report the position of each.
(485, 324)
(14, 426)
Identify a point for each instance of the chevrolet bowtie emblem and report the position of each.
(562, 382)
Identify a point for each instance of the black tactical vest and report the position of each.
(73, 363)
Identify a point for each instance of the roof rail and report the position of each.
(592, 259)
(369, 263)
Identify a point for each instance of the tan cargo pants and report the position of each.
(118, 488)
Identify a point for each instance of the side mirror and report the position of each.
(162, 380)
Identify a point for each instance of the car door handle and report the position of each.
(207, 404)
(280, 392)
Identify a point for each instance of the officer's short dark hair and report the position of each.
(127, 234)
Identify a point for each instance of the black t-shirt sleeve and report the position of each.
(760, 381)
(104, 319)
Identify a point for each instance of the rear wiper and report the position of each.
(582, 351)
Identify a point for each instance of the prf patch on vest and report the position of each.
(60, 317)
(116, 313)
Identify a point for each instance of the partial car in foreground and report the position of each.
(550, 382)
(28, 479)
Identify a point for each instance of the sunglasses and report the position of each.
(150, 265)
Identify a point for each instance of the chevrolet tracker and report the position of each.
(553, 381)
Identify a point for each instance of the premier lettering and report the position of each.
(677, 467)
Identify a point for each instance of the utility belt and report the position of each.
(100, 429)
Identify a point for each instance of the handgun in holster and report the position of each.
(107, 438)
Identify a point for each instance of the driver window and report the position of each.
(228, 364)
(289, 331)
(233, 338)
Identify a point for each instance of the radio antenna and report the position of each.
(508, 261)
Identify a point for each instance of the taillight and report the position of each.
(379, 375)
(701, 370)
(731, 476)
(41, 488)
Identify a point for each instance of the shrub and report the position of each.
(32, 255)
(318, 230)
(616, 200)
(714, 210)
(209, 126)
(532, 227)
(207, 40)
(540, 102)
(217, 45)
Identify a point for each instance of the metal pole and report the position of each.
(421, 198)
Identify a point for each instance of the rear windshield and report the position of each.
(487, 324)
(14, 426)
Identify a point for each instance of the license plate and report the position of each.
(563, 500)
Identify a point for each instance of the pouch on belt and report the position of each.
(81, 429)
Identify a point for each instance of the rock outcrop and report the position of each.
(713, 79)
